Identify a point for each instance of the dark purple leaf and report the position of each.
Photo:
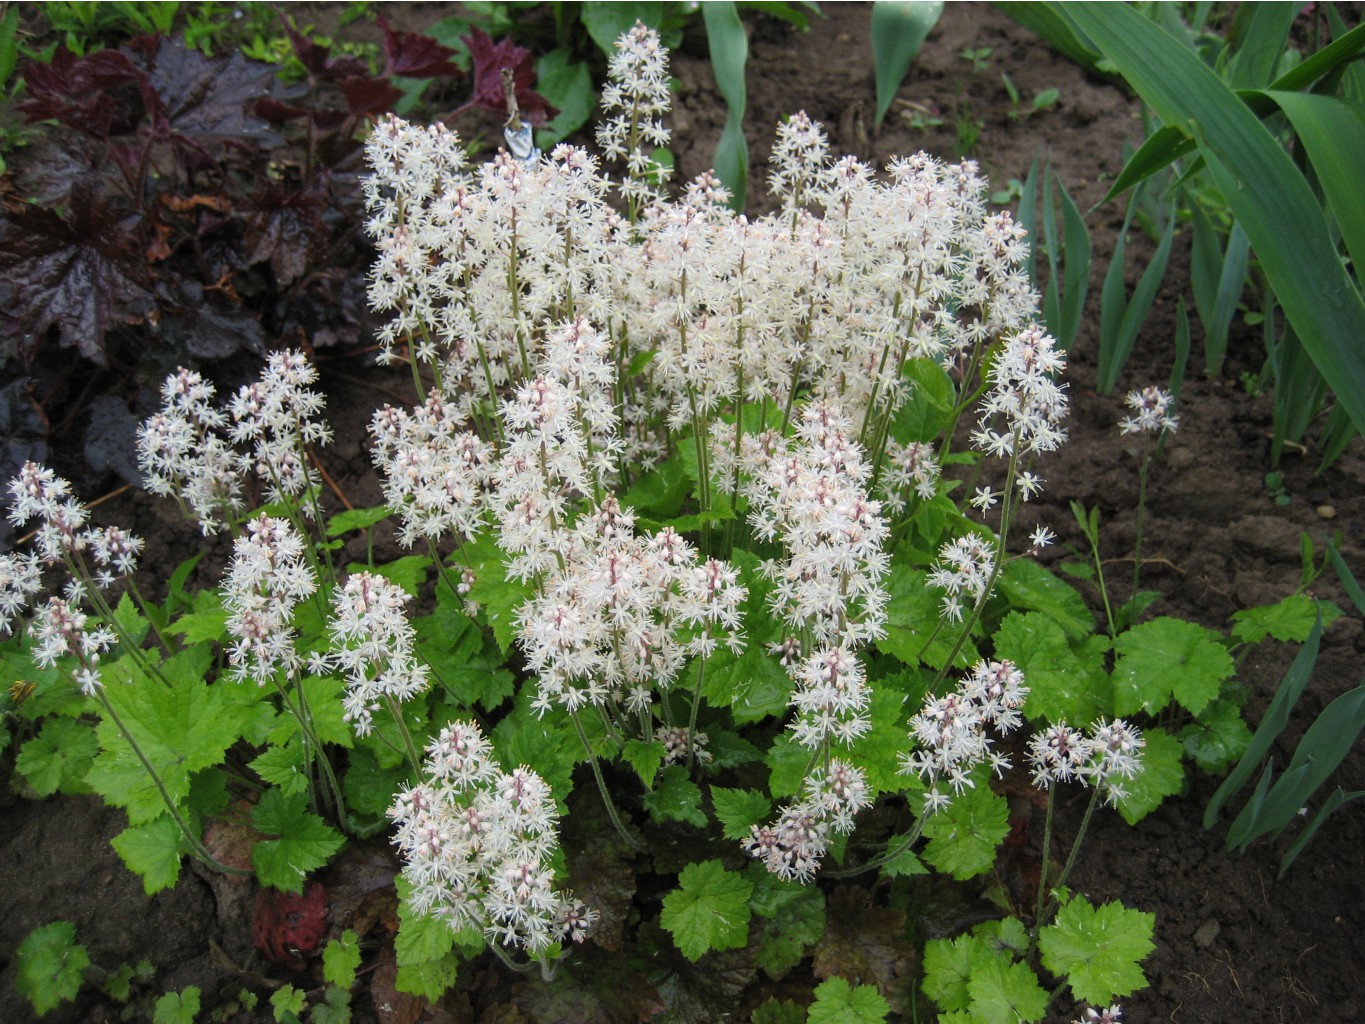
(602, 989)
(209, 327)
(59, 163)
(416, 56)
(599, 867)
(210, 102)
(82, 276)
(111, 439)
(863, 944)
(284, 226)
(489, 60)
(100, 94)
(318, 60)
(367, 97)
(23, 438)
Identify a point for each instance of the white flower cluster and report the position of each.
(908, 467)
(636, 98)
(1151, 412)
(1111, 1015)
(279, 416)
(374, 646)
(625, 613)
(60, 626)
(21, 577)
(950, 732)
(794, 845)
(60, 629)
(435, 472)
(183, 453)
(813, 496)
(1023, 410)
(965, 566)
(1106, 759)
(267, 578)
(477, 845)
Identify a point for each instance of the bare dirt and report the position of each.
(1233, 942)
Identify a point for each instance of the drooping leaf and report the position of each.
(1289, 620)
(709, 910)
(1098, 949)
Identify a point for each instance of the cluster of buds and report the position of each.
(477, 843)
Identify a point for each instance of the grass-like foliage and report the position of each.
(695, 625)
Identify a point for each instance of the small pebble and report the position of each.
(1208, 931)
(1326, 512)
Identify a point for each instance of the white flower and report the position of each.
(1152, 412)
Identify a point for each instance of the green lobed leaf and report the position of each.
(912, 618)
(1289, 620)
(180, 729)
(1005, 993)
(738, 810)
(335, 1007)
(340, 958)
(792, 920)
(1162, 775)
(288, 1000)
(1218, 737)
(59, 756)
(709, 910)
(675, 797)
(838, 1002)
(948, 965)
(645, 758)
(1028, 586)
(208, 621)
(963, 836)
(771, 1011)
(1097, 949)
(929, 406)
(284, 767)
(1167, 658)
(50, 965)
(153, 851)
(177, 1007)
(547, 744)
(305, 842)
(357, 519)
(879, 752)
(1063, 685)
(788, 761)
(753, 685)
(408, 572)
(499, 598)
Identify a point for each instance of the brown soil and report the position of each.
(1233, 943)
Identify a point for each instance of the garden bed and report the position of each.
(1233, 942)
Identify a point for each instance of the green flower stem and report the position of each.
(145, 607)
(876, 863)
(300, 713)
(397, 713)
(692, 714)
(196, 847)
(1047, 860)
(1071, 857)
(634, 843)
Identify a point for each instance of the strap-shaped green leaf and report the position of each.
(1332, 803)
(1276, 717)
(1265, 191)
(899, 28)
(729, 53)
